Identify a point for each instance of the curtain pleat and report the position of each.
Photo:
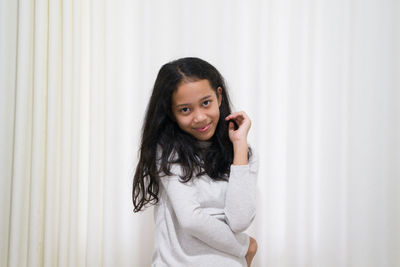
(53, 142)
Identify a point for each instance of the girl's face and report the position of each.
(195, 106)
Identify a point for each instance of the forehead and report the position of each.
(192, 92)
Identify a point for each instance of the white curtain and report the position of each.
(320, 80)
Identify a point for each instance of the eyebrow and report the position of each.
(201, 99)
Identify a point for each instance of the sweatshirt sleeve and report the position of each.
(240, 201)
(193, 220)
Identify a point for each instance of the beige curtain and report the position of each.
(320, 80)
(52, 168)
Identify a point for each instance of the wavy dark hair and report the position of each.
(163, 143)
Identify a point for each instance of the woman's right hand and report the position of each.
(251, 252)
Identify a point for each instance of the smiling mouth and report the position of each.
(203, 129)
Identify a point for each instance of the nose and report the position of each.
(199, 116)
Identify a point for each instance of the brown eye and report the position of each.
(206, 103)
(184, 110)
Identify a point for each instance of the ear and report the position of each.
(219, 95)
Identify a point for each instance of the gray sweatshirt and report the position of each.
(201, 222)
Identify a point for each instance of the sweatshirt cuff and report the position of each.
(239, 167)
(246, 246)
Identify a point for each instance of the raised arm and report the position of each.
(240, 202)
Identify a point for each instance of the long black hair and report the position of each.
(163, 143)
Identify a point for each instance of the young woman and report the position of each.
(196, 167)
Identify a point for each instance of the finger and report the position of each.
(231, 126)
(239, 120)
(227, 118)
(236, 115)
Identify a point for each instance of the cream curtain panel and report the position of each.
(320, 79)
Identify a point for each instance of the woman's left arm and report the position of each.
(240, 201)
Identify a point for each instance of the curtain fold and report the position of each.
(320, 80)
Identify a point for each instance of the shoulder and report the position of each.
(170, 162)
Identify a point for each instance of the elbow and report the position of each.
(240, 223)
(238, 228)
